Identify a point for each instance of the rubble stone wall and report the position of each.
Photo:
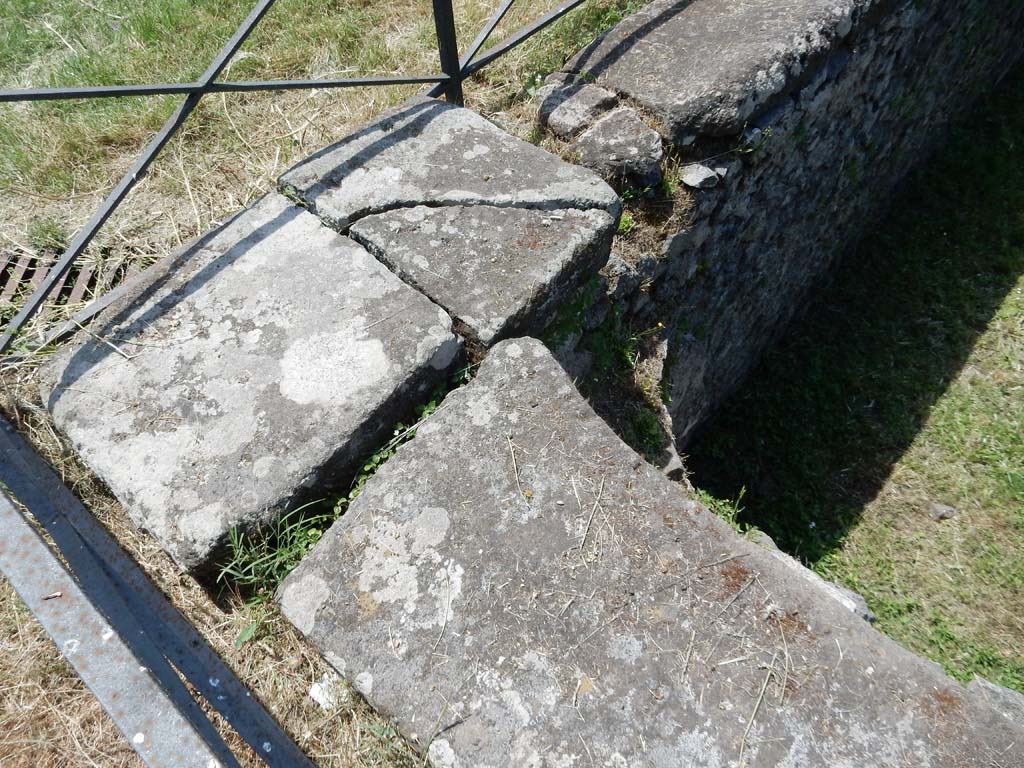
(793, 124)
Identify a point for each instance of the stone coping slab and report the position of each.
(516, 587)
(270, 355)
(499, 271)
(427, 152)
(706, 66)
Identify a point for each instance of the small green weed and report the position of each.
(259, 561)
(626, 224)
(727, 509)
(47, 234)
(642, 430)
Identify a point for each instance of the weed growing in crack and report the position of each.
(626, 224)
(259, 561)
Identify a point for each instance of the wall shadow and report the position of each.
(813, 435)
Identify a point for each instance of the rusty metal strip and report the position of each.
(162, 736)
(81, 284)
(5, 258)
(39, 272)
(33, 482)
(15, 278)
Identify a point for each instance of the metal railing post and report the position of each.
(448, 50)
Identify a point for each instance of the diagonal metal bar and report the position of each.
(137, 171)
(164, 89)
(519, 37)
(100, 593)
(478, 42)
(34, 483)
(164, 736)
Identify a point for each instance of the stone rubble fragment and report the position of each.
(698, 176)
(566, 110)
(620, 146)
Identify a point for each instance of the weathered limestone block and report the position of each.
(497, 270)
(1010, 703)
(705, 66)
(268, 356)
(429, 152)
(516, 587)
(621, 146)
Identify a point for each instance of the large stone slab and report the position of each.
(516, 587)
(267, 357)
(499, 271)
(704, 67)
(433, 153)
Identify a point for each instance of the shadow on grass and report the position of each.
(815, 432)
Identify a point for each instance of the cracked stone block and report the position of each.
(706, 67)
(269, 356)
(433, 153)
(516, 587)
(499, 271)
(621, 146)
(567, 109)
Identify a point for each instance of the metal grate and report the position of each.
(45, 280)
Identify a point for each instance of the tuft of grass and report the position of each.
(258, 561)
(730, 510)
(904, 387)
(47, 233)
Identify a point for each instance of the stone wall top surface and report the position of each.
(517, 587)
(427, 152)
(705, 67)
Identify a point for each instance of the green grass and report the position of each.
(58, 147)
(903, 387)
(67, 43)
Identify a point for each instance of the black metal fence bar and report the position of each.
(453, 72)
(448, 50)
(478, 42)
(229, 86)
(521, 36)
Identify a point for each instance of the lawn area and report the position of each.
(902, 388)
